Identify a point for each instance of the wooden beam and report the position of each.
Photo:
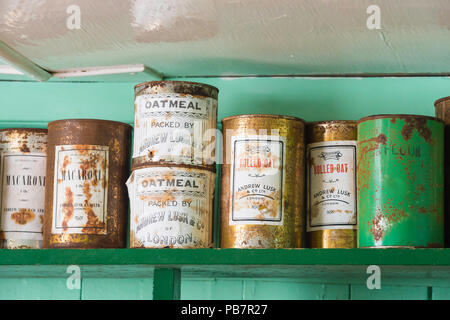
(22, 63)
(166, 284)
(97, 71)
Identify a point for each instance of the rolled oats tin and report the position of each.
(331, 184)
(262, 203)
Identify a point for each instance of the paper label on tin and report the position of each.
(171, 207)
(331, 185)
(174, 126)
(80, 189)
(257, 177)
(23, 195)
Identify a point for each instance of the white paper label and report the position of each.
(331, 180)
(173, 126)
(170, 207)
(257, 177)
(80, 189)
(23, 195)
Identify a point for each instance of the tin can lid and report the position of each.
(90, 121)
(382, 116)
(274, 116)
(25, 129)
(441, 100)
(314, 123)
(135, 167)
(186, 87)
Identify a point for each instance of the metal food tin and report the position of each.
(23, 158)
(331, 184)
(400, 181)
(86, 199)
(175, 122)
(171, 206)
(262, 204)
(442, 109)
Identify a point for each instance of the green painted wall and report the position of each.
(34, 104)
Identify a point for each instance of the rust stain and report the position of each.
(66, 162)
(420, 124)
(24, 148)
(134, 241)
(365, 147)
(116, 149)
(377, 229)
(93, 222)
(67, 208)
(23, 216)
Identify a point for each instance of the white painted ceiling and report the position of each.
(233, 37)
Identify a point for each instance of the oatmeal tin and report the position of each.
(175, 122)
(171, 206)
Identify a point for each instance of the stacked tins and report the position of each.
(171, 187)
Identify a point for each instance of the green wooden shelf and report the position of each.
(341, 266)
(235, 257)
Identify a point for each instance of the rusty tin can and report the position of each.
(262, 203)
(175, 122)
(442, 109)
(86, 199)
(171, 206)
(23, 160)
(331, 184)
(400, 181)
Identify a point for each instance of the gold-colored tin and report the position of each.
(23, 166)
(171, 206)
(331, 184)
(262, 188)
(86, 202)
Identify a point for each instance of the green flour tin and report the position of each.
(400, 181)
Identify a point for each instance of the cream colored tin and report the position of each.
(23, 165)
(171, 206)
(175, 122)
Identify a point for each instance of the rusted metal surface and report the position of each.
(331, 184)
(23, 159)
(86, 199)
(262, 187)
(175, 122)
(171, 206)
(400, 179)
(442, 109)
